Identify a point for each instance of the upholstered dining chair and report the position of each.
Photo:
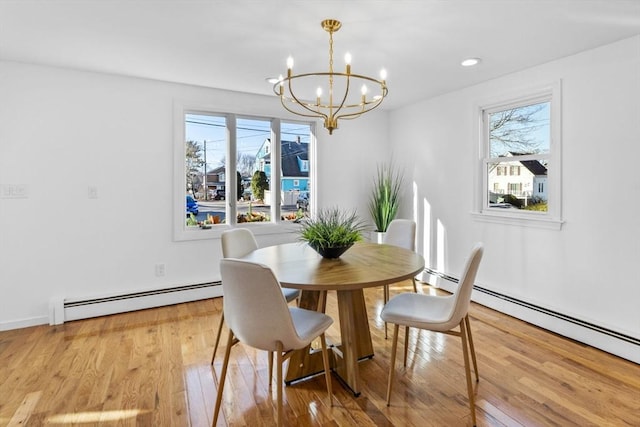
(400, 232)
(439, 314)
(258, 316)
(237, 243)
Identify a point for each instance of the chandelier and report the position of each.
(340, 102)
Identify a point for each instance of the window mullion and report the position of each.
(231, 180)
(276, 167)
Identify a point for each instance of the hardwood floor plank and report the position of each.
(196, 396)
(498, 416)
(21, 416)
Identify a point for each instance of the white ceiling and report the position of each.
(236, 44)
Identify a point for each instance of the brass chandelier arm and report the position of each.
(298, 113)
(374, 104)
(291, 95)
(344, 98)
(305, 105)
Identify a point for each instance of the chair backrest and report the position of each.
(238, 242)
(462, 297)
(401, 232)
(254, 307)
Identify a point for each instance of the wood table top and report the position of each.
(296, 265)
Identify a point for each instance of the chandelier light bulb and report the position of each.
(319, 92)
(347, 59)
(363, 89)
(290, 62)
(383, 74)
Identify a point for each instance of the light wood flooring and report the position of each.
(151, 368)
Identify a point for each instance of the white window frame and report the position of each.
(552, 219)
(183, 233)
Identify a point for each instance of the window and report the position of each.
(515, 188)
(229, 169)
(519, 169)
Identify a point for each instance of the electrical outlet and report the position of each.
(159, 270)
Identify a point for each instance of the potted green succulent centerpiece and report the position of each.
(332, 231)
(385, 197)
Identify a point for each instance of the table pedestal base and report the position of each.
(355, 335)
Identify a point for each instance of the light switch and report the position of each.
(14, 191)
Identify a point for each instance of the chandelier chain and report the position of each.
(331, 72)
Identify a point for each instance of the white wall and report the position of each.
(588, 268)
(63, 131)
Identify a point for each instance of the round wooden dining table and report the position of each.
(364, 265)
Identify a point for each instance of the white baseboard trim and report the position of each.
(23, 323)
(67, 309)
(616, 343)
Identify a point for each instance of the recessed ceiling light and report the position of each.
(470, 62)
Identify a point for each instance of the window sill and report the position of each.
(521, 220)
(258, 229)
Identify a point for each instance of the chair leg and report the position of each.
(467, 368)
(280, 361)
(386, 300)
(327, 367)
(415, 286)
(215, 347)
(406, 344)
(473, 350)
(392, 363)
(270, 356)
(223, 376)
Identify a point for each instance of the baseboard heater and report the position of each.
(629, 343)
(68, 309)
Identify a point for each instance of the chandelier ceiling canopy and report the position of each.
(340, 101)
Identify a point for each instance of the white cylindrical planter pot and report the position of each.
(377, 236)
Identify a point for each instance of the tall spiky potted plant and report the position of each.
(385, 197)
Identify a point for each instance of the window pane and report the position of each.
(521, 130)
(206, 141)
(295, 183)
(253, 163)
(526, 189)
